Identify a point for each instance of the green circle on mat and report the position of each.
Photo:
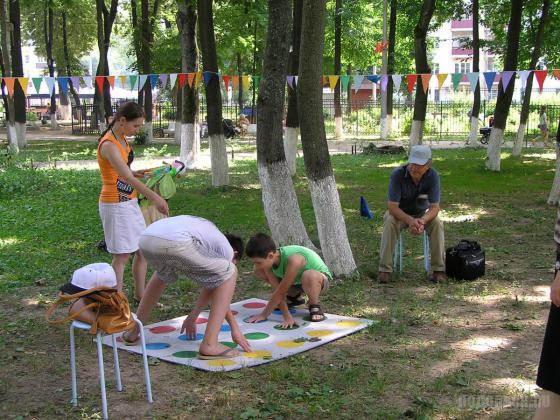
(256, 336)
(186, 354)
(229, 344)
(279, 327)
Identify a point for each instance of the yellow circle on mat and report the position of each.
(257, 354)
(221, 362)
(289, 344)
(319, 333)
(348, 323)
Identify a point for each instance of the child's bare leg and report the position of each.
(151, 297)
(118, 264)
(139, 268)
(221, 299)
(550, 406)
(312, 284)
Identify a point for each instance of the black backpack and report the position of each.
(465, 261)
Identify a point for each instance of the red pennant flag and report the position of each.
(410, 80)
(540, 75)
(182, 79)
(226, 81)
(100, 80)
(235, 81)
(10, 85)
(190, 78)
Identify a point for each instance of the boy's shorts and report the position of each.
(187, 258)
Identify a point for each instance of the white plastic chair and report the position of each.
(398, 254)
(84, 326)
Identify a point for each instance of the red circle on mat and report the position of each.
(201, 320)
(253, 305)
(162, 329)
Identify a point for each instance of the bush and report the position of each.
(141, 138)
(31, 117)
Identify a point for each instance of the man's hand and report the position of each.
(555, 290)
(189, 327)
(416, 226)
(256, 318)
(288, 323)
(240, 339)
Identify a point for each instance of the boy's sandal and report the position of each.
(316, 313)
(295, 300)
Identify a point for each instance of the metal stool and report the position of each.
(398, 254)
(84, 326)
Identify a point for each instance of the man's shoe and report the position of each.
(383, 277)
(438, 276)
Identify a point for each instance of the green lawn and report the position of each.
(433, 345)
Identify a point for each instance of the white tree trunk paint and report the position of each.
(148, 129)
(416, 132)
(21, 131)
(12, 138)
(518, 143)
(389, 125)
(384, 128)
(218, 158)
(494, 149)
(331, 226)
(190, 145)
(54, 123)
(281, 205)
(290, 147)
(473, 134)
(338, 128)
(177, 131)
(65, 111)
(554, 196)
(102, 126)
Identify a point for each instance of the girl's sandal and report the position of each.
(316, 313)
(128, 342)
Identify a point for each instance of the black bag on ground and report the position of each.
(465, 261)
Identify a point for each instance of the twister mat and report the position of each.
(267, 340)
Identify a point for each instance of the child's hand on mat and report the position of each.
(288, 323)
(240, 339)
(256, 318)
(189, 327)
(555, 290)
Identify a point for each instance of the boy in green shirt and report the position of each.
(289, 270)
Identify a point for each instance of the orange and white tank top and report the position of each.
(114, 189)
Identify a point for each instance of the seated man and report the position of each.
(193, 247)
(243, 124)
(413, 203)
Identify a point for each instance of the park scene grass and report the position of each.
(454, 350)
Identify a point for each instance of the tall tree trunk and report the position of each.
(189, 128)
(422, 67)
(535, 54)
(383, 124)
(476, 68)
(7, 72)
(554, 196)
(146, 39)
(177, 94)
(278, 194)
(136, 36)
(504, 97)
(391, 64)
(73, 90)
(338, 128)
(322, 186)
(17, 71)
(292, 119)
(218, 153)
(48, 28)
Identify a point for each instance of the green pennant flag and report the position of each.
(256, 80)
(344, 79)
(37, 83)
(132, 80)
(456, 77)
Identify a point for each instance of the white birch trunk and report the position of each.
(554, 196)
(389, 125)
(338, 128)
(149, 130)
(473, 134)
(218, 158)
(518, 143)
(65, 112)
(54, 123)
(290, 148)
(331, 226)
(384, 128)
(494, 149)
(416, 132)
(21, 131)
(190, 145)
(12, 137)
(281, 205)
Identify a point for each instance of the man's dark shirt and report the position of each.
(414, 199)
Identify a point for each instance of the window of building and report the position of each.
(435, 68)
(462, 67)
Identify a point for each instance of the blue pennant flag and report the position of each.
(63, 83)
(153, 80)
(364, 209)
(207, 77)
(374, 78)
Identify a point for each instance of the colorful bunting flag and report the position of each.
(473, 80)
(207, 76)
(296, 77)
(23, 82)
(235, 82)
(384, 81)
(256, 80)
(324, 80)
(245, 82)
(75, 80)
(182, 79)
(397, 80)
(441, 79)
(142, 81)
(290, 81)
(198, 78)
(541, 76)
(333, 80)
(489, 77)
(123, 81)
(358, 79)
(37, 83)
(50, 84)
(456, 79)
(10, 81)
(426, 81)
(99, 80)
(506, 78)
(88, 81)
(133, 80)
(63, 83)
(344, 79)
(153, 80)
(556, 73)
(163, 80)
(190, 79)
(226, 80)
(410, 80)
(373, 78)
(111, 80)
(172, 80)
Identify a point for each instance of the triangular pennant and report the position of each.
(295, 82)
(384, 81)
(37, 83)
(142, 81)
(441, 79)
(190, 78)
(324, 80)
(290, 81)
(226, 80)
(235, 82)
(333, 80)
(10, 81)
(344, 79)
(207, 77)
(410, 80)
(489, 77)
(111, 80)
(50, 84)
(75, 83)
(182, 80)
(100, 80)
(373, 78)
(163, 80)
(358, 79)
(456, 79)
(23, 82)
(198, 78)
(153, 80)
(425, 81)
(132, 80)
(541, 76)
(172, 80)
(473, 79)
(245, 82)
(397, 80)
(556, 73)
(63, 83)
(506, 78)
(88, 81)
(123, 81)
(256, 80)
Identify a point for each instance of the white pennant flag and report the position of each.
(524, 74)
(50, 84)
(172, 80)
(397, 79)
(294, 82)
(87, 81)
(358, 79)
(473, 80)
(142, 81)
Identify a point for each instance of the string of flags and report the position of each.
(194, 80)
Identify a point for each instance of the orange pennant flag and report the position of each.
(23, 81)
(245, 81)
(190, 78)
(441, 79)
(111, 80)
(9, 81)
(410, 80)
(235, 82)
(556, 73)
(324, 80)
(226, 81)
(426, 81)
(123, 81)
(198, 78)
(333, 80)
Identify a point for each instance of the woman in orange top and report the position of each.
(118, 204)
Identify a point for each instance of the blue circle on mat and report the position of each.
(279, 312)
(184, 337)
(157, 346)
(225, 328)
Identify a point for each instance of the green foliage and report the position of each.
(141, 137)
(31, 117)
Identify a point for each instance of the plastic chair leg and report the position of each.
(73, 366)
(116, 363)
(102, 376)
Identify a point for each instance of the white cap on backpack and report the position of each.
(91, 276)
